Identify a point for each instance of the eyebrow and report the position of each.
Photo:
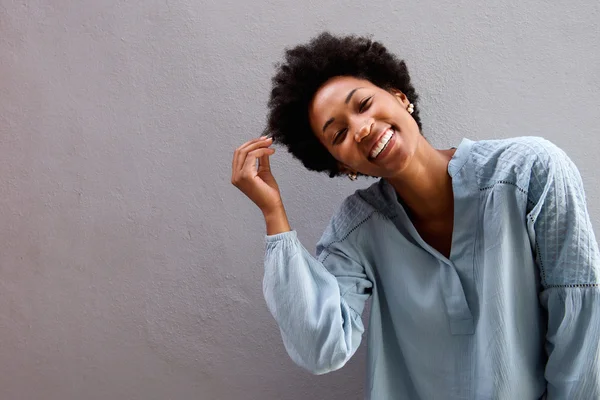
(350, 95)
(348, 98)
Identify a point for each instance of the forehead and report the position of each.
(335, 91)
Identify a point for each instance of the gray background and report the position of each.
(130, 267)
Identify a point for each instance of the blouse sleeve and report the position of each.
(317, 302)
(569, 262)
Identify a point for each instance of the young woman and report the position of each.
(480, 260)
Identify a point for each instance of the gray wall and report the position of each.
(130, 268)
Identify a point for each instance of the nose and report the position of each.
(363, 131)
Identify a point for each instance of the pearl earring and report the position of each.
(411, 108)
(352, 176)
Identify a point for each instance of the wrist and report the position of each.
(273, 211)
(276, 221)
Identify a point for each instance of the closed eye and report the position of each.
(339, 137)
(364, 104)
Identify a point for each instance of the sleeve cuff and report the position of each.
(290, 235)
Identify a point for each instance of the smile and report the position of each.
(381, 143)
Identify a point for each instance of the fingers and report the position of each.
(264, 164)
(236, 153)
(235, 167)
(249, 167)
(240, 156)
(247, 147)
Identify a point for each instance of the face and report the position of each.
(366, 128)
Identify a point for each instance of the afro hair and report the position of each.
(305, 69)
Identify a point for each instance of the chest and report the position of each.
(434, 291)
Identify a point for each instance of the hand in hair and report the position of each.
(257, 182)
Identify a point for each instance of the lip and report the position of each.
(379, 136)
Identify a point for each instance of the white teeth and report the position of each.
(385, 139)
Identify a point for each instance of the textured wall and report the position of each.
(130, 268)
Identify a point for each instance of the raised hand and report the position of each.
(256, 182)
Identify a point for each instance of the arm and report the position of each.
(569, 261)
(318, 310)
(317, 303)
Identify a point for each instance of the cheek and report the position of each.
(347, 152)
(391, 111)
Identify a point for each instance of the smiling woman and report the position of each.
(480, 260)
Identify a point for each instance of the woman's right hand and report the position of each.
(256, 182)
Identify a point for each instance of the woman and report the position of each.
(481, 261)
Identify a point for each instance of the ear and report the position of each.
(401, 97)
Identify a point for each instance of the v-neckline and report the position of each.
(455, 163)
(463, 185)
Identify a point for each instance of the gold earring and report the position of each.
(411, 108)
(352, 176)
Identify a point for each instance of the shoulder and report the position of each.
(515, 149)
(518, 161)
(350, 217)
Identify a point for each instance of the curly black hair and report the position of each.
(305, 69)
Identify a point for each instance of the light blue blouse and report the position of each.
(513, 313)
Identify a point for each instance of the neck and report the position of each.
(424, 186)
